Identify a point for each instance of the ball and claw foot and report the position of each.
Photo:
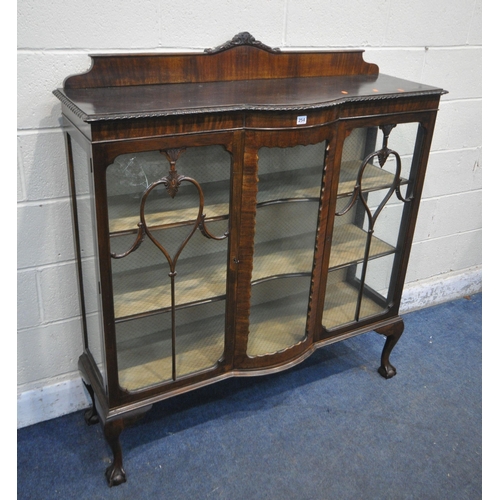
(115, 475)
(387, 371)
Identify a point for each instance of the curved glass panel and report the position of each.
(286, 223)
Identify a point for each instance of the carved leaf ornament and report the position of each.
(243, 38)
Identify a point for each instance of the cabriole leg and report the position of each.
(393, 333)
(115, 473)
(90, 415)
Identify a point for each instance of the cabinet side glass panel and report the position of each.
(169, 262)
(286, 223)
(88, 254)
(368, 225)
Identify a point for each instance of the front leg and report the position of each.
(393, 333)
(115, 474)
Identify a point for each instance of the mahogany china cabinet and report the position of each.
(234, 210)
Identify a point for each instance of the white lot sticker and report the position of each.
(301, 120)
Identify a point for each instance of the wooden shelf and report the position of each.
(374, 178)
(290, 255)
(277, 324)
(123, 210)
(348, 246)
(185, 208)
(274, 326)
(147, 360)
(304, 183)
(344, 297)
(147, 289)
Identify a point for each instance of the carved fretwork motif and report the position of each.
(243, 38)
(384, 153)
(172, 182)
(172, 155)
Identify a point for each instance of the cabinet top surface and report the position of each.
(111, 103)
(241, 75)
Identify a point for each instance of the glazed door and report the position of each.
(379, 171)
(169, 215)
(285, 208)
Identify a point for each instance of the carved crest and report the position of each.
(243, 38)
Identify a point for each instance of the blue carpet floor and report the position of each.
(330, 428)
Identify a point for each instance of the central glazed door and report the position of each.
(281, 212)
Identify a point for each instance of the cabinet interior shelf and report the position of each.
(185, 208)
(374, 178)
(151, 285)
(148, 360)
(342, 310)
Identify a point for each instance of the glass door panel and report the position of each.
(131, 174)
(144, 344)
(168, 218)
(286, 246)
(278, 314)
(374, 180)
(286, 223)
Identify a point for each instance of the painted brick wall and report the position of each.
(436, 42)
